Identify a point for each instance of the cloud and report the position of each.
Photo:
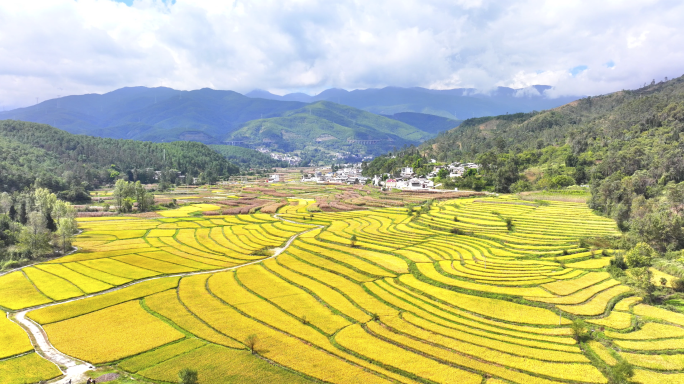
(59, 47)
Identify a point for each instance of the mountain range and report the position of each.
(364, 121)
(458, 104)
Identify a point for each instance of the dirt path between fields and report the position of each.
(74, 370)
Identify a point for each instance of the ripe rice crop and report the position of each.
(96, 274)
(153, 264)
(85, 283)
(602, 352)
(591, 263)
(649, 331)
(167, 304)
(111, 334)
(561, 370)
(659, 362)
(13, 339)
(330, 296)
(280, 348)
(493, 308)
(567, 287)
(428, 270)
(357, 340)
(650, 377)
(596, 305)
(215, 364)
(290, 298)
(616, 320)
(52, 286)
(77, 308)
(30, 368)
(119, 269)
(581, 295)
(659, 313)
(16, 292)
(152, 358)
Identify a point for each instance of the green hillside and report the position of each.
(331, 126)
(37, 154)
(246, 158)
(628, 146)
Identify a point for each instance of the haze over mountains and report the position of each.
(459, 103)
(334, 119)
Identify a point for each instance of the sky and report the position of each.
(51, 48)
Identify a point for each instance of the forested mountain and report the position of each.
(246, 158)
(212, 117)
(429, 123)
(153, 114)
(37, 154)
(332, 126)
(458, 104)
(628, 146)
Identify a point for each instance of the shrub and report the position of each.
(640, 256)
(618, 262)
(187, 376)
(678, 284)
(456, 231)
(509, 223)
(579, 329)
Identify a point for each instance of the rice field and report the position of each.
(369, 296)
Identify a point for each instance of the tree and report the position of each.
(640, 256)
(252, 341)
(35, 237)
(187, 376)
(66, 229)
(353, 241)
(579, 329)
(622, 372)
(443, 173)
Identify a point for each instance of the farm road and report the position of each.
(74, 369)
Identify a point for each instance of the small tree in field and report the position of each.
(353, 241)
(579, 329)
(187, 376)
(252, 341)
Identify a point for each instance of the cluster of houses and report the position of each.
(290, 159)
(350, 174)
(409, 180)
(455, 169)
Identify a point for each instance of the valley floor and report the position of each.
(448, 292)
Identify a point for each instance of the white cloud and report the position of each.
(53, 47)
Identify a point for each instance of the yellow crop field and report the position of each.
(16, 292)
(77, 308)
(167, 304)
(152, 358)
(597, 305)
(13, 339)
(411, 302)
(30, 368)
(130, 330)
(659, 362)
(357, 340)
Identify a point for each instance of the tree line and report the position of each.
(34, 154)
(34, 224)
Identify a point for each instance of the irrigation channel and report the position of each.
(74, 369)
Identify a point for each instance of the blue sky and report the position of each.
(582, 47)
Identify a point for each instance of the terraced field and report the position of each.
(450, 294)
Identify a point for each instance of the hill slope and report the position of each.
(426, 122)
(33, 153)
(155, 114)
(331, 126)
(627, 145)
(246, 158)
